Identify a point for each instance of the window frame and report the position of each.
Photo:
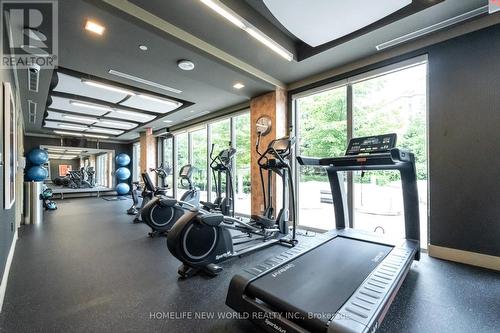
(349, 82)
(207, 126)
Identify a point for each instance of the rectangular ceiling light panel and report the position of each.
(54, 115)
(76, 86)
(320, 21)
(151, 103)
(59, 103)
(131, 115)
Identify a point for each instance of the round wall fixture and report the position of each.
(143, 47)
(185, 65)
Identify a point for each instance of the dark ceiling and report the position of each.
(209, 85)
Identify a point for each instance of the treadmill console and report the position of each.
(371, 144)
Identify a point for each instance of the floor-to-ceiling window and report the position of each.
(391, 100)
(199, 160)
(243, 145)
(193, 145)
(168, 163)
(391, 103)
(321, 132)
(220, 135)
(136, 162)
(182, 153)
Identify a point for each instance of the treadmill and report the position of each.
(343, 280)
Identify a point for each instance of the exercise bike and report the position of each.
(161, 212)
(201, 240)
(222, 164)
(149, 191)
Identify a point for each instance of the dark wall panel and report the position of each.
(464, 142)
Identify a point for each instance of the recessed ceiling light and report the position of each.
(104, 130)
(224, 12)
(143, 47)
(238, 85)
(160, 100)
(90, 106)
(117, 124)
(241, 23)
(185, 65)
(94, 27)
(168, 121)
(108, 87)
(72, 127)
(95, 136)
(88, 120)
(134, 114)
(67, 133)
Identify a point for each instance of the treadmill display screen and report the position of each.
(371, 144)
(319, 282)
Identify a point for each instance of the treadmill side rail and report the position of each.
(365, 309)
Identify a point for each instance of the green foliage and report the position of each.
(394, 103)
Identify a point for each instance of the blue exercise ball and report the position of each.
(38, 156)
(122, 188)
(122, 160)
(122, 173)
(37, 173)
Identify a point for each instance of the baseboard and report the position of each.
(465, 257)
(5, 278)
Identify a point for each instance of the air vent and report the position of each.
(144, 81)
(31, 112)
(197, 115)
(33, 77)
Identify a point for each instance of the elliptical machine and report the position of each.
(200, 240)
(222, 164)
(149, 191)
(161, 212)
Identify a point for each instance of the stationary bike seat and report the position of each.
(208, 205)
(167, 202)
(263, 221)
(212, 220)
(161, 191)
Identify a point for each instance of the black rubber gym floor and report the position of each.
(89, 269)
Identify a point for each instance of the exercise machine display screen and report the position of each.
(185, 171)
(371, 144)
(280, 145)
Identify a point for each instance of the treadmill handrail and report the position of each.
(395, 159)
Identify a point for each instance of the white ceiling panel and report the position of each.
(151, 104)
(130, 115)
(321, 21)
(71, 118)
(73, 85)
(60, 103)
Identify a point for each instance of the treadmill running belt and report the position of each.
(320, 281)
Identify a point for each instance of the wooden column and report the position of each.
(148, 152)
(273, 105)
